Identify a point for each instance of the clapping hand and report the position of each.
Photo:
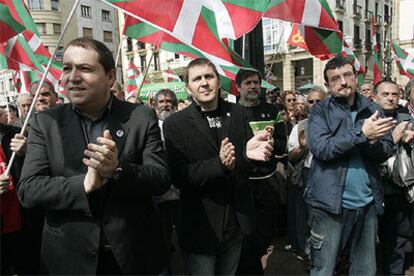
(227, 154)
(260, 146)
(102, 161)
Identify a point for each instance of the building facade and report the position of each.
(291, 67)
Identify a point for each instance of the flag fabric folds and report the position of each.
(377, 65)
(405, 61)
(312, 13)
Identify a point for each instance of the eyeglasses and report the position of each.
(313, 101)
(291, 100)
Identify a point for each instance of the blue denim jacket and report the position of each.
(331, 138)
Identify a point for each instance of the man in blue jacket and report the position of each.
(348, 138)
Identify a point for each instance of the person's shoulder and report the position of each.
(179, 116)
(53, 113)
(9, 129)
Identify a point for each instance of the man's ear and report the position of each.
(326, 85)
(111, 77)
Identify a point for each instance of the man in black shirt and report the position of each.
(254, 246)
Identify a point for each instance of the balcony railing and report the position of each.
(340, 5)
(357, 10)
(378, 20)
(368, 16)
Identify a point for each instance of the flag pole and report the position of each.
(145, 75)
(49, 64)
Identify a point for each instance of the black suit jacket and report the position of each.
(205, 185)
(53, 176)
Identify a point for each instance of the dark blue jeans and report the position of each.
(330, 233)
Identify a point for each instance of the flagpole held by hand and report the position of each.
(49, 64)
(145, 75)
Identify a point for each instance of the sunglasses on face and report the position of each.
(291, 100)
(313, 101)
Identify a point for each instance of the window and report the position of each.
(141, 45)
(156, 61)
(41, 28)
(36, 4)
(55, 5)
(341, 26)
(129, 44)
(143, 62)
(106, 16)
(56, 28)
(107, 36)
(87, 32)
(85, 11)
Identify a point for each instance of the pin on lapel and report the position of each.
(119, 133)
(228, 114)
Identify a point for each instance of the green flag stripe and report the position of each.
(256, 5)
(140, 30)
(7, 18)
(25, 16)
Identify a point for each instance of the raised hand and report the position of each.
(260, 146)
(227, 154)
(18, 144)
(102, 156)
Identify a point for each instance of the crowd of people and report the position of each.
(101, 184)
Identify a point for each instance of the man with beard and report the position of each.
(260, 181)
(348, 139)
(47, 95)
(165, 102)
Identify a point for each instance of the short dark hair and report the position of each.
(105, 57)
(200, 62)
(34, 85)
(166, 92)
(378, 84)
(336, 62)
(245, 73)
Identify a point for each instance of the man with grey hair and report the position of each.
(165, 102)
(47, 95)
(367, 90)
(24, 102)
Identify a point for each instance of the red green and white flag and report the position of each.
(312, 13)
(9, 24)
(27, 48)
(377, 64)
(170, 76)
(135, 78)
(23, 78)
(321, 43)
(348, 53)
(217, 50)
(405, 61)
(189, 20)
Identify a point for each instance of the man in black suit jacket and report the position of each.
(94, 165)
(207, 151)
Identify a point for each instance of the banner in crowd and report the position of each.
(149, 90)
